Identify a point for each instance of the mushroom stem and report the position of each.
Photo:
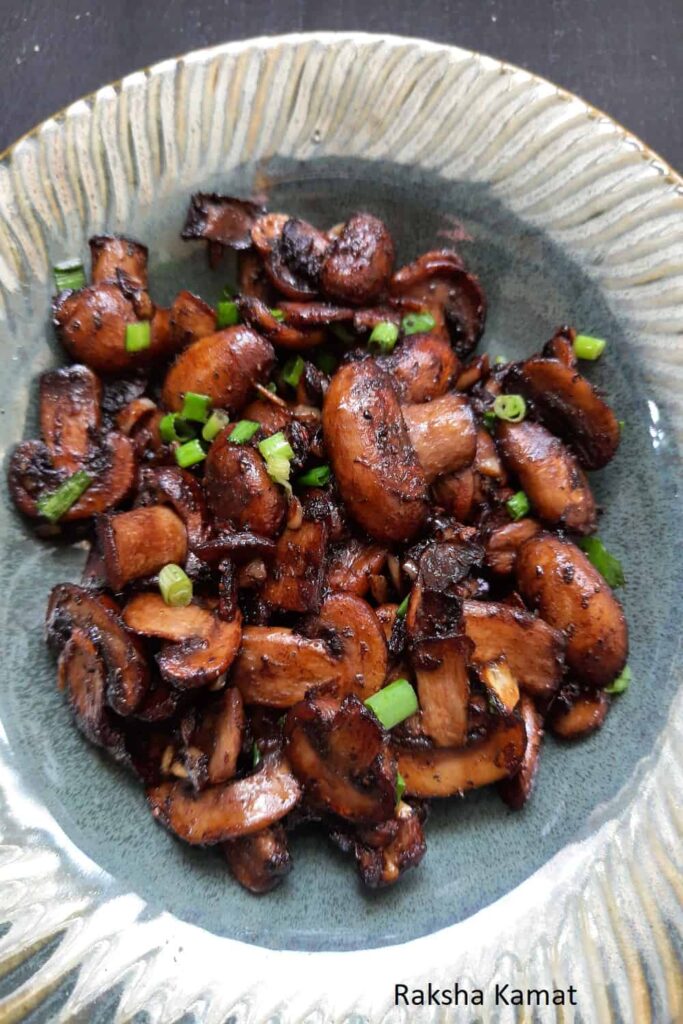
(443, 434)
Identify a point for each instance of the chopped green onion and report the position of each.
(255, 756)
(621, 683)
(394, 703)
(400, 787)
(54, 506)
(318, 477)
(227, 314)
(278, 469)
(69, 275)
(243, 431)
(489, 419)
(216, 422)
(293, 368)
(622, 424)
(195, 407)
(415, 323)
(607, 565)
(511, 408)
(138, 336)
(499, 360)
(276, 447)
(403, 607)
(586, 347)
(384, 336)
(173, 427)
(277, 314)
(175, 586)
(272, 387)
(326, 362)
(518, 506)
(189, 454)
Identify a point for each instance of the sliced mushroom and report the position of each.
(516, 790)
(212, 737)
(340, 755)
(295, 574)
(380, 479)
(236, 808)
(383, 864)
(226, 366)
(351, 563)
(576, 712)
(549, 475)
(201, 646)
(534, 651)
(487, 461)
(270, 415)
(170, 485)
(82, 674)
(239, 547)
(455, 493)
(111, 254)
(140, 543)
(443, 686)
(295, 258)
(239, 489)
(443, 434)
(447, 772)
(159, 703)
(222, 219)
(422, 367)
(190, 319)
(261, 861)
(504, 542)
(315, 314)
(70, 416)
(556, 578)
(570, 407)
(71, 607)
(561, 347)
(131, 418)
(354, 634)
(252, 278)
(501, 684)
(359, 262)
(279, 333)
(277, 667)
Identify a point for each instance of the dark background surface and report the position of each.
(625, 56)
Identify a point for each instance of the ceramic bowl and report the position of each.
(566, 218)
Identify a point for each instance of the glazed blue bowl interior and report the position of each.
(478, 850)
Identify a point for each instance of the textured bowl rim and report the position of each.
(552, 946)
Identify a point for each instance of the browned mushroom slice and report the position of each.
(534, 650)
(131, 418)
(190, 318)
(561, 347)
(266, 232)
(159, 703)
(577, 712)
(239, 547)
(556, 578)
(295, 258)
(279, 333)
(272, 416)
(516, 790)
(455, 493)
(232, 809)
(110, 254)
(295, 574)
(354, 634)
(359, 262)
(139, 543)
(570, 407)
(223, 219)
(70, 415)
(212, 738)
(179, 489)
(549, 475)
(505, 541)
(423, 367)
(384, 865)
(340, 755)
(71, 607)
(252, 279)
(443, 686)
(379, 476)
(351, 563)
(447, 772)
(82, 674)
(443, 434)
(201, 645)
(387, 616)
(477, 369)
(239, 489)
(276, 666)
(225, 366)
(259, 862)
(314, 314)
(501, 684)
(439, 282)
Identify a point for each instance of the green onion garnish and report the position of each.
(400, 787)
(415, 323)
(384, 336)
(53, 506)
(138, 336)
(216, 422)
(243, 431)
(394, 703)
(195, 407)
(69, 275)
(621, 683)
(586, 347)
(276, 447)
(172, 427)
(607, 565)
(318, 477)
(189, 454)
(499, 360)
(272, 387)
(326, 362)
(511, 408)
(518, 506)
(622, 424)
(277, 314)
(255, 756)
(293, 368)
(278, 469)
(227, 314)
(403, 607)
(489, 418)
(175, 586)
